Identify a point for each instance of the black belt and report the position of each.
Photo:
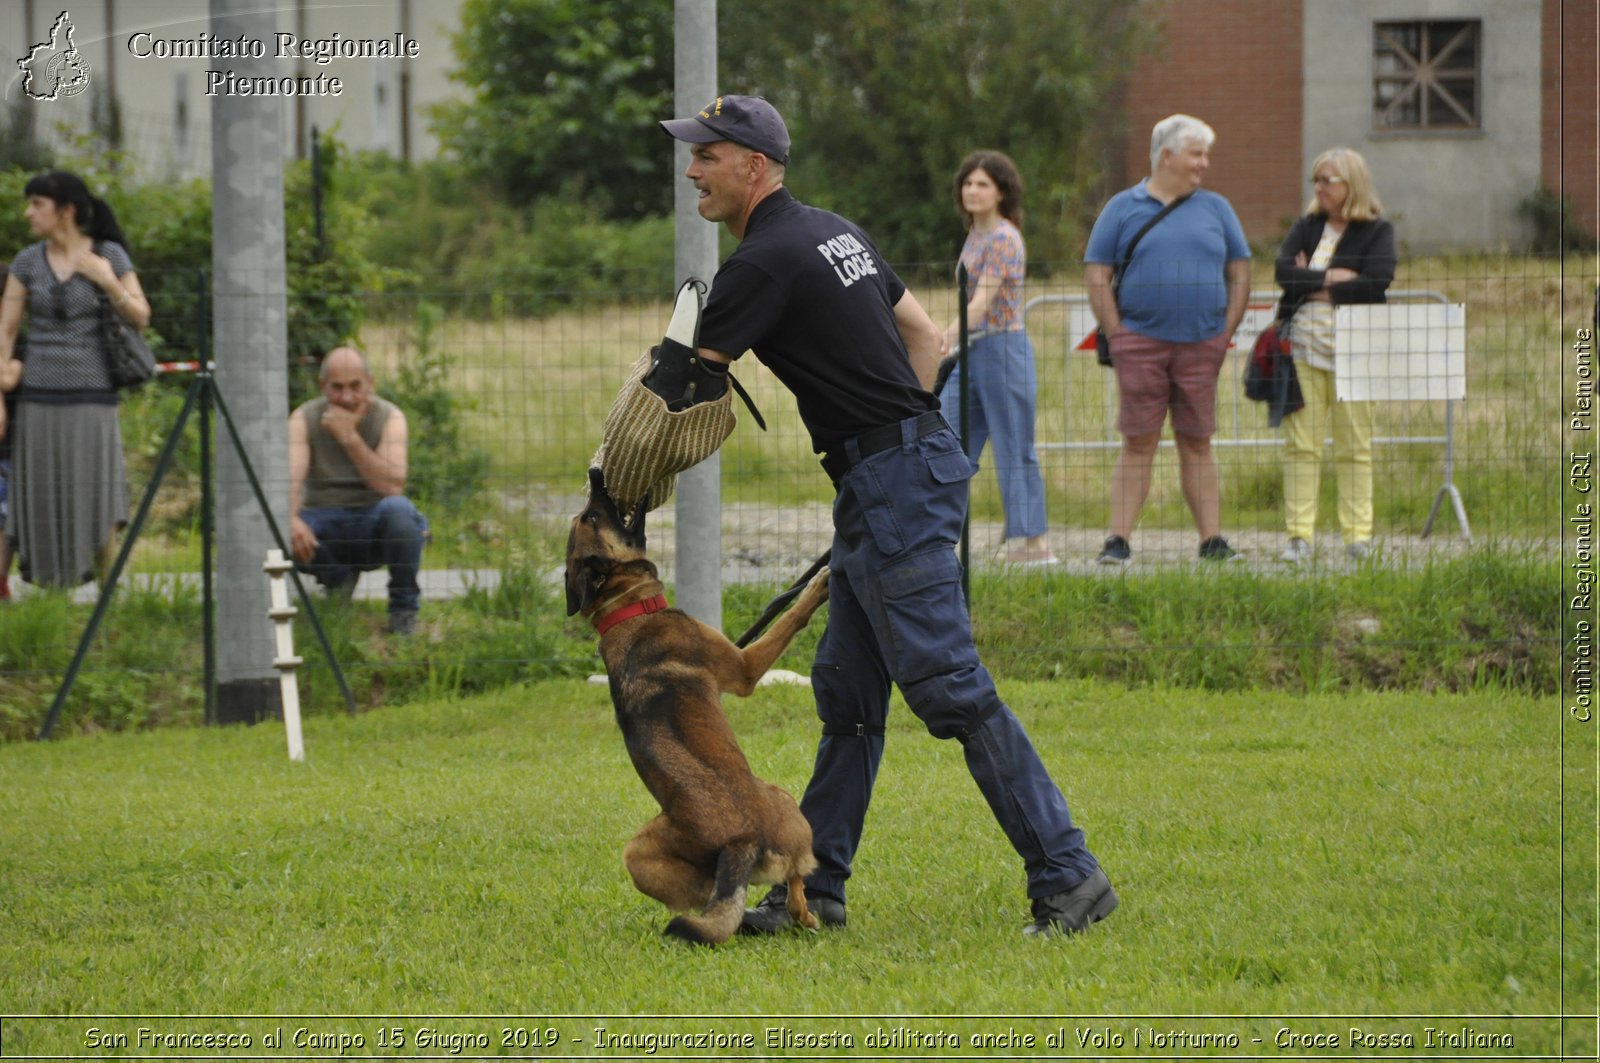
(837, 462)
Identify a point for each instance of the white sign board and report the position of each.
(1400, 351)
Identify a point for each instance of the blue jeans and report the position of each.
(896, 615)
(1002, 401)
(351, 541)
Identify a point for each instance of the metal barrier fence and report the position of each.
(526, 375)
(1239, 424)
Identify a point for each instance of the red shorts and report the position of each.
(1154, 376)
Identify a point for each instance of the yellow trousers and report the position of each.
(1304, 432)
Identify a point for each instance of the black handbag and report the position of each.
(1270, 375)
(129, 359)
(1102, 342)
(1269, 357)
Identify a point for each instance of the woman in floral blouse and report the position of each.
(1002, 389)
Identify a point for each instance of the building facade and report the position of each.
(149, 69)
(1463, 108)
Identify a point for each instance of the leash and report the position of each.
(777, 604)
(946, 367)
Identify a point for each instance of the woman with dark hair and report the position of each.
(69, 488)
(8, 404)
(1002, 389)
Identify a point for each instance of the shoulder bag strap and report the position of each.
(1122, 263)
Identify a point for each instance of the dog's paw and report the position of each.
(817, 589)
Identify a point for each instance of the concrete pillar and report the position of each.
(250, 342)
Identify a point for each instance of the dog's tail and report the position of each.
(721, 917)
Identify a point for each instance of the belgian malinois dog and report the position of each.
(720, 827)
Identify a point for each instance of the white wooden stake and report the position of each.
(286, 662)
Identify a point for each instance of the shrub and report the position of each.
(440, 231)
(331, 279)
(444, 468)
(1554, 231)
(169, 229)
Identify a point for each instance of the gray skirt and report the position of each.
(69, 490)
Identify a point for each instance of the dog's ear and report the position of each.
(591, 578)
(574, 602)
(574, 567)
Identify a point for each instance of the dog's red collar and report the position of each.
(650, 605)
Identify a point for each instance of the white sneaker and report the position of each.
(1297, 552)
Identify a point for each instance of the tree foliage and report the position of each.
(885, 97)
(168, 226)
(883, 100)
(564, 99)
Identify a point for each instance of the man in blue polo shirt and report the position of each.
(811, 295)
(1183, 293)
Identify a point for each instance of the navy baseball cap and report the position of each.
(746, 120)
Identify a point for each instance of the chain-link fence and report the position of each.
(505, 392)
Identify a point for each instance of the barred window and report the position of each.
(1425, 75)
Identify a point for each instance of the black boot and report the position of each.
(1071, 911)
(772, 914)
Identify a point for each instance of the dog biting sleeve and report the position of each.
(645, 444)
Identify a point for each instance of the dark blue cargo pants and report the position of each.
(896, 615)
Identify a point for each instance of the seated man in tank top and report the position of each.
(348, 512)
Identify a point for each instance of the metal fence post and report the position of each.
(698, 508)
(961, 397)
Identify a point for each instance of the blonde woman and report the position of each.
(1340, 252)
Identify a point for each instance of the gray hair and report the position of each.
(1176, 130)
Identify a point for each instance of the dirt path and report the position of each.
(763, 543)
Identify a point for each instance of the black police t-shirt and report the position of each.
(808, 292)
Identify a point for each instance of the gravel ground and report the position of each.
(774, 544)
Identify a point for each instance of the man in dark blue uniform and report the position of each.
(808, 292)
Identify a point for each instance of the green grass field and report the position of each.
(1484, 622)
(1365, 808)
(1341, 855)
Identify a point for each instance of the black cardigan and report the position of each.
(1366, 247)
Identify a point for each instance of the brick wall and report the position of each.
(1571, 106)
(1236, 65)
